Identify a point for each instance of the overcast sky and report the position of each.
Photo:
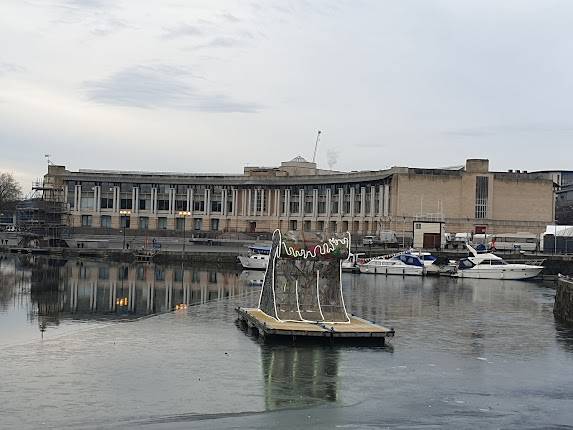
(211, 86)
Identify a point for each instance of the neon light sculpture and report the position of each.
(303, 279)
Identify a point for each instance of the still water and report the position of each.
(94, 345)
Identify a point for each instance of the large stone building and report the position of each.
(298, 196)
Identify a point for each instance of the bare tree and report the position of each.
(10, 190)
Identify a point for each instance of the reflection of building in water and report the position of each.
(143, 289)
(299, 375)
(92, 290)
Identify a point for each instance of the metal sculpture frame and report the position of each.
(303, 280)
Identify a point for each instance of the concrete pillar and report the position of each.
(117, 195)
(328, 202)
(243, 202)
(340, 202)
(189, 204)
(352, 198)
(386, 199)
(224, 202)
(277, 203)
(95, 199)
(314, 203)
(301, 202)
(372, 201)
(77, 197)
(249, 202)
(207, 210)
(380, 200)
(287, 202)
(269, 199)
(262, 201)
(153, 200)
(362, 201)
(134, 205)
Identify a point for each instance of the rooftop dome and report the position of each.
(299, 159)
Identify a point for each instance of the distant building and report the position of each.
(298, 196)
(563, 180)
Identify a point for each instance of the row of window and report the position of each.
(197, 223)
(159, 275)
(162, 204)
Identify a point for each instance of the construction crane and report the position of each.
(316, 146)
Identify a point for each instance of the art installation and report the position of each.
(303, 279)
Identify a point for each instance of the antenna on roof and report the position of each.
(316, 146)
(47, 157)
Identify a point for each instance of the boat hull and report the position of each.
(253, 264)
(515, 273)
(392, 270)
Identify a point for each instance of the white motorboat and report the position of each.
(254, 261)
(400, 264)
(490, 266)
(258, 259)
(351, 263)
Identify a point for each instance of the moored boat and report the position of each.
(490, 266)
(400, 264)
(258, 259)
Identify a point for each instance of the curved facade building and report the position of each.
(299, 196)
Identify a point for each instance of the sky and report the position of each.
(212, 86)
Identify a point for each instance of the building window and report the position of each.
(197, 224)
(87, 202)
(180, 205)
(180, 224)
(125, 203)
(125, 222)
(106, 203)
(143, 223)
(482, 183)
(142, 204)
(214, 224)
(103, 272)
(308, 207)
(293, 225)
(86, 220)
(162, 223)
(163, 205)
(294, 207)
(320, 226)
(321, 207)
(106, 221)
(178, 275)
(307, 226)
(199, 205)
(215, 206)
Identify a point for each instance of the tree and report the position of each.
(10, 190)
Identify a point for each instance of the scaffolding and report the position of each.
(44, 215)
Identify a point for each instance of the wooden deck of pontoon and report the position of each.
(357, 329)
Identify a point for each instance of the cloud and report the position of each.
(159, 86)
(182, 30)
(97, 16)
(229, 17)
(495, 130)
(220, 42)
(6, 68)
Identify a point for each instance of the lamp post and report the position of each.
(184, 215)
(124, 215)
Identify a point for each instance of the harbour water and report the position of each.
(102, 345)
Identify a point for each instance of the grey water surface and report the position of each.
(91, 345)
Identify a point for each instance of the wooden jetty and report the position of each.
(269, 328)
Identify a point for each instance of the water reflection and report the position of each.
(297, 376)
(52, 290)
